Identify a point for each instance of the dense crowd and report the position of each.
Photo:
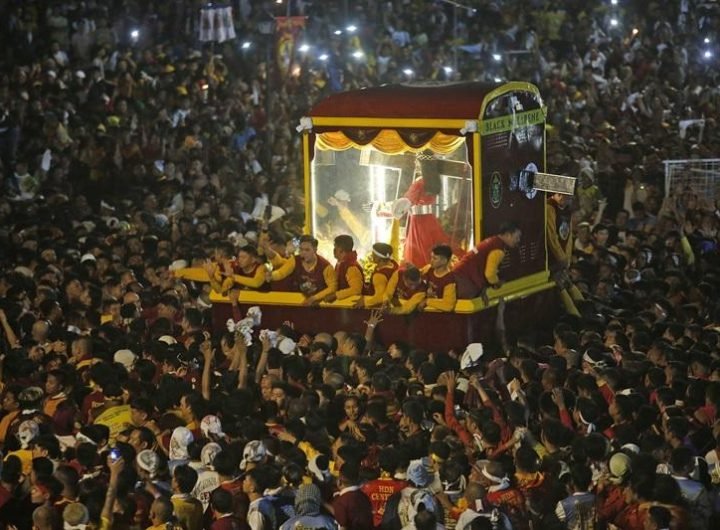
(129, 150)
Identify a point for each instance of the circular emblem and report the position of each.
(525, 186)
(495, 190)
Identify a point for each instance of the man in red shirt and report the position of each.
(381, 489)
(308, 273)
(405, 291)
(245, 271)
(385, 266)
(441, 285)
(348, 272)
(479, 268)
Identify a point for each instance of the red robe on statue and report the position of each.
(424, 230)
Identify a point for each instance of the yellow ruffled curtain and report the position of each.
(390, 142)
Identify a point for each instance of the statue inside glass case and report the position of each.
(411, 201)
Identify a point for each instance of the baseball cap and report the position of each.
(253, 453)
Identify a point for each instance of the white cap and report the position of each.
(462, 385)
(471, 356)
(209, 452)
(286, 345)
(27, 432)
(178, 264)
(179, 441)
(87, 257)
(126, 358)
(168, 339)
(275, 213)
(211, 425)
(254, 452)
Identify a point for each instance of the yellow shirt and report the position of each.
(406, 306)
(354, 278)
(446, 302)
(380, 283)
(189, 511)
(116, 418)
(26, 458)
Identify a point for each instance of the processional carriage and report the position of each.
(418, 165)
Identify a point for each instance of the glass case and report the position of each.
(413, 201)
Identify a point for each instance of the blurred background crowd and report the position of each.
(128, 146)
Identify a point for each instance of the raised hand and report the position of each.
(207, 351)
(376, 316)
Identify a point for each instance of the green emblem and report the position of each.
(495, 190)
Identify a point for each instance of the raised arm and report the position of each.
(208, 353)
(107, 514)
(262, 362)
(241, 360)
(9, 333)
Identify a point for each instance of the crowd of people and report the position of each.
(129, 150)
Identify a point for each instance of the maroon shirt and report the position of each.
(229, 522)
(386, 271)
(312, 281)
(240, 272)
(353, 510)
(403, 292)
(472, 266)
(436, 284)
(342, 267)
